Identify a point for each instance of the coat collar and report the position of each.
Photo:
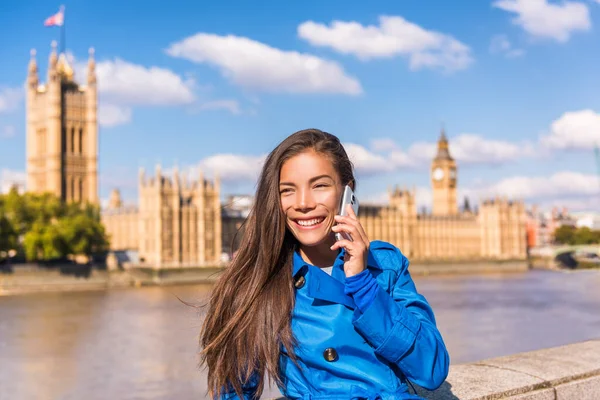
(321, 285)
(339, 261)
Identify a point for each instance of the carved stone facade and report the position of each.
(177, 222)
(497, 231)
(62, 131)
(443, 180)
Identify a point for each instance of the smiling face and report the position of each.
(310, 192)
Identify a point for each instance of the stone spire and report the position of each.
(52, 61)
(64, 69)
(32, 72)
(115, 201)
(443, 153)
(91, 77)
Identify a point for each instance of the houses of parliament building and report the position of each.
(180, 222)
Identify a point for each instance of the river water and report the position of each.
(142, 343)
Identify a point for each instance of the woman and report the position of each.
(325, 319)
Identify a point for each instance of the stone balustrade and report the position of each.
(566, 372)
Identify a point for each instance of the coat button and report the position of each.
(299, 282)
(330, 354)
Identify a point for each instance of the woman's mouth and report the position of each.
(309, 223)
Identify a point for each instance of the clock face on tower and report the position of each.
(438, 174)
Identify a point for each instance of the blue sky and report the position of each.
(216, 85)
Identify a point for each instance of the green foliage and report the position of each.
(8, 235)
(43, 227)
(576, 236)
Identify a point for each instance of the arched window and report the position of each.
(72, 147)
(72, 189)
(80, 192)
(80, 140)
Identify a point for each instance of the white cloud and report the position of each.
(228, 105)
(542, 19)
(423, 197)
(465, 148)
(394, 36)
(574, 130)
(9, 178)
(256, 65)
(573, 190)
(384, 144)
(366, 161)
(10, 99)
(560, 185)
(123, 178)
(474, 149)
(122, 82)
(110, 115)
(233, 167)
(8, 132)
(501, 45)
(576, 204)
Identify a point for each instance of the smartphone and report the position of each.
(347, 198)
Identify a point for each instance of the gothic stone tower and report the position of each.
(443, 179)
(62, 131)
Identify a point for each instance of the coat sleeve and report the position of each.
(401, 326)
(248, 393)
(248, 390)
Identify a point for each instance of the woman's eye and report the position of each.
(284, 191)
(321, 185)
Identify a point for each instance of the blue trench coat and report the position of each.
(346, 354)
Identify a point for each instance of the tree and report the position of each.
(585, 235)
(8, 235)
(45, 242)
(565, 235)
(49, 228)
(576, 236)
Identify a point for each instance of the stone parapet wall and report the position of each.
(566, 372)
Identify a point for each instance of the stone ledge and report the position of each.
(565, 372)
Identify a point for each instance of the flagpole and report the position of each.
(63, 40)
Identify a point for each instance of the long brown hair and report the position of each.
(250, 309)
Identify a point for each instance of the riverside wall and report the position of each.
(32, 280)
(566, 372)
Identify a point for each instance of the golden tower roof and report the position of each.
(443, 153)
(63, 68)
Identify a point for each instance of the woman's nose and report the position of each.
(304, 200)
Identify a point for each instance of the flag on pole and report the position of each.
(57, 19)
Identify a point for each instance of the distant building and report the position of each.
(62, 131)
(234, 212)
(496, 230)
(177, 222)
(542, 225)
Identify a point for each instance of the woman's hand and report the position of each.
(357, 249)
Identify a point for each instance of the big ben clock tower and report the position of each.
(443, 180)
